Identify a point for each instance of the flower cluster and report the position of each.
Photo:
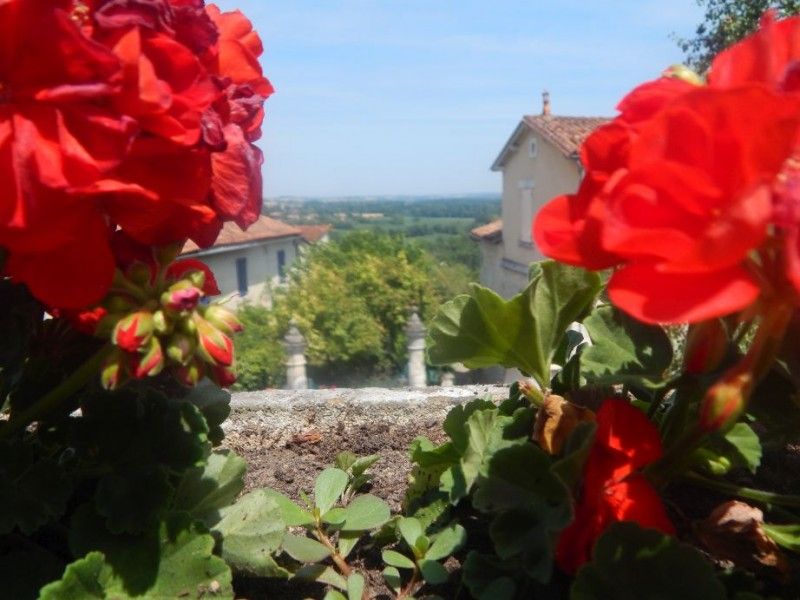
(132, 115)
(614, 489)
(692, 193)
(155, 320)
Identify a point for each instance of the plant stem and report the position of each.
(340, 562)
(743, 492)
(412, 586)
(57, 395)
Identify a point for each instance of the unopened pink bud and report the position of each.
(706, 345)
(223, 376)
(725, 401)
(181, 297)
(180, 348)
(112, 371)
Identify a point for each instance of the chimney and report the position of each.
(546, 103)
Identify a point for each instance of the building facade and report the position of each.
(539, 161)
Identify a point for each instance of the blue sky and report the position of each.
(418, 96)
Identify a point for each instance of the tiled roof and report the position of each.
(314, 233)
(491, 232)
(565, 133)
(264, 228)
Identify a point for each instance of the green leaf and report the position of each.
(215, 405)
(455, 426)
(304, 549)
(365, 512)
(347, 541)
(787, 536)
(173, 561)
(355, 586)
(203, 491)
(624, 350)
(132, 499)
(291, 513)
(569, 467)
(335, 516)
(33, 491)
(328, 488)
(364, 463)
(488, 578)
(334, 595)
(395, 559)
(252, 531)
(433, 572)
(746, 444)
(392, 577)
(531, 503)
(448, 541)
(321, 574)
(344, 460)
(631, 562)
(482, 329)
(410, 529)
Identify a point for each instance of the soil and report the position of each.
(286, 448)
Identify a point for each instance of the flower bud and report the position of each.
(223, 376)
(112, 371)
(725, 401)
(214, 346)
(706, 345)
(190, 374)
(180, 348)
(223, 319)
(683, 73)
(150, 362)
(181, 296)
(160, 323)
(133, 331)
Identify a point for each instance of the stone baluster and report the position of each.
(415, 330)
(295, 345)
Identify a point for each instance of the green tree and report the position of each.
(726, 22)
(351, 299)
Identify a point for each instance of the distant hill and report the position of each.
(489, 196)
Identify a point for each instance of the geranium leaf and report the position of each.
(32, 491)
(205, 490)
(628, 558)
(570, 466)
(746, 444)
(252, 531)
(215, 405)
(365, 512)
(474, 329)
(173, 560)
(131, 499)
(624, 350)
(328, 486)
(304, 549)
(488, 578)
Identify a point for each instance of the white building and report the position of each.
(538, 162)
(244, 262)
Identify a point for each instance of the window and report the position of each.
(525, 210)
(533, 148)
(241, 275)
(281, 264)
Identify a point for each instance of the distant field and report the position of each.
(440, 225)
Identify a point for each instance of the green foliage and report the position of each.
(726, 22)
(482, 329)
(624, 350)
(631, 563)
(259, 354)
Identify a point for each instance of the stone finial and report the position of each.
(293, 341)
(546, 103)
(415, 330)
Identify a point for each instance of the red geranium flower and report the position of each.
(687, 183)
(613, 488)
